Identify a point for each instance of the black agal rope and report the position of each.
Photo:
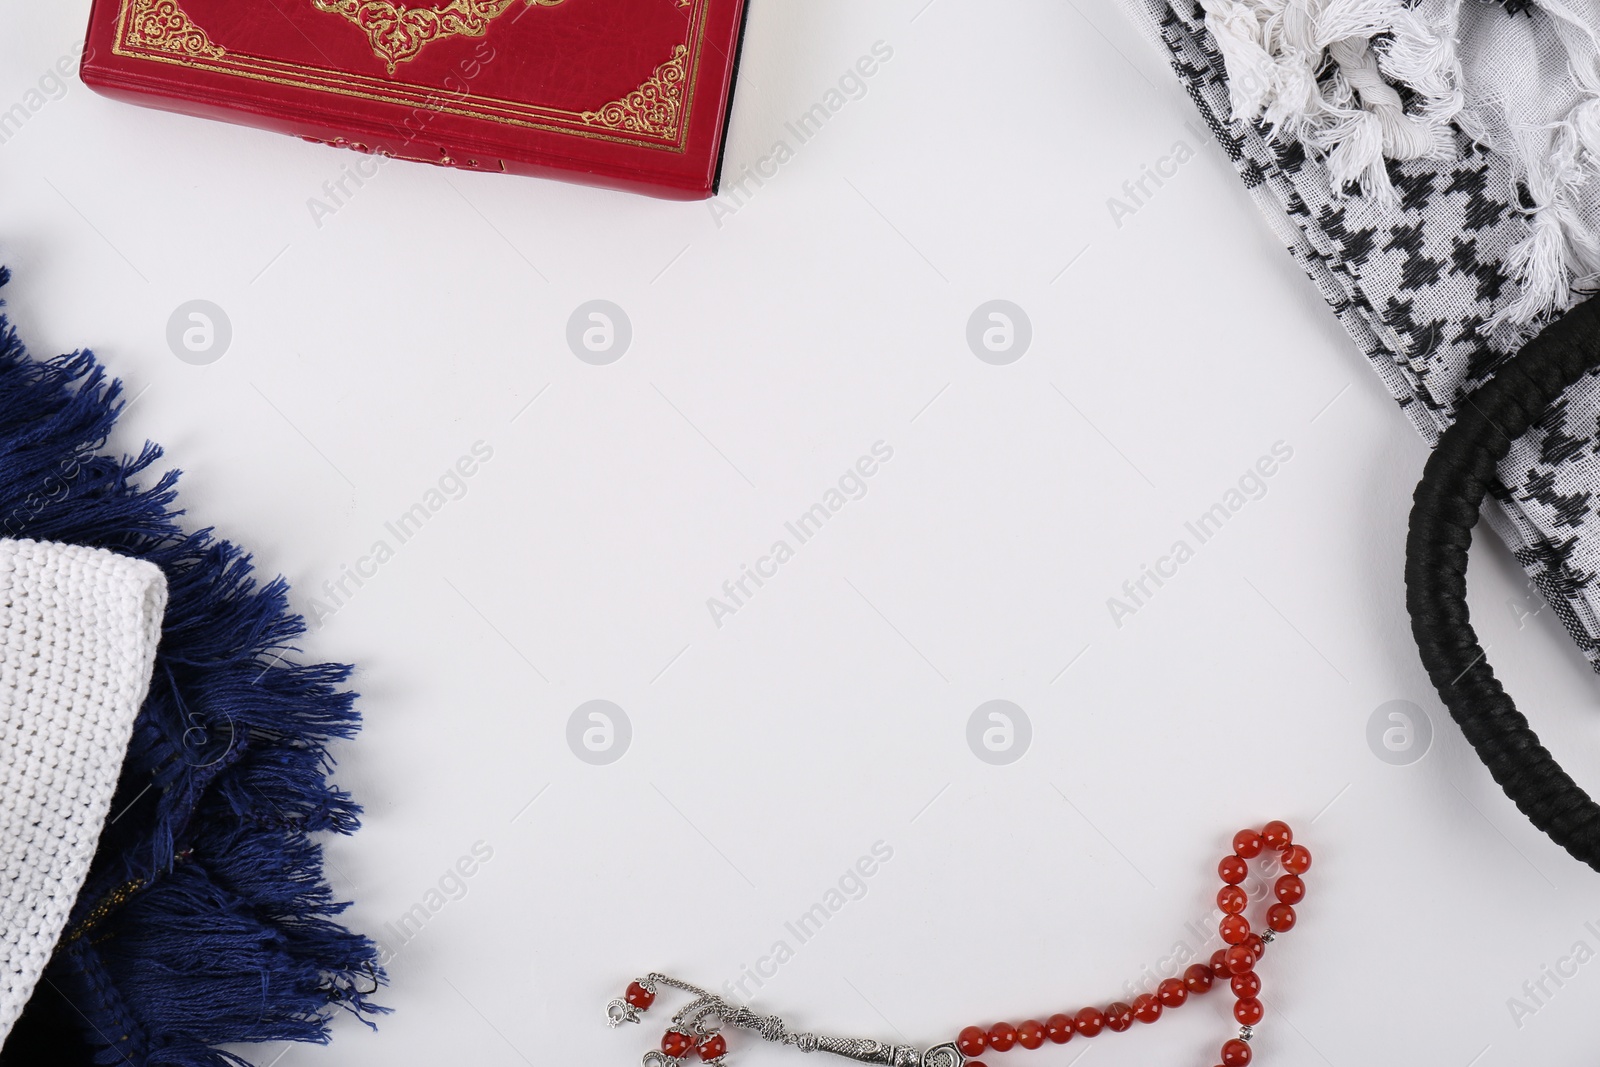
(1458, 474)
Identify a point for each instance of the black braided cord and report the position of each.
(1445, 508)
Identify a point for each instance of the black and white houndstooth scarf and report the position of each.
(1442, 239)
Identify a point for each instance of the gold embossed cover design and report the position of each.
(399, 31)
(630, 93)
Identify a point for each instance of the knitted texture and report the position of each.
(78, 635)
(206, 921)
(1423, 286)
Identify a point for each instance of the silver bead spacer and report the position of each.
(1246, 1033)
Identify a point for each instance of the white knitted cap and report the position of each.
(78, 634)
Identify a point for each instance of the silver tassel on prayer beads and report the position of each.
(696, 1031)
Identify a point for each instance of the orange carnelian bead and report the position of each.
(712, 1048)
(1281, 918)
(1247, 984)
(1235, 1053)
(972, 1041)
(1234, 929)
(1058, 1028)
(1172, 992)
(1119, 1017)
(1233, 870)
(1002, 1036)
(1146, 1008)
(676, 1044)
(1290, 889)
(1231, 899)
(639, 997)
(1030, 1035)
(1277, 835)
(1297, 859)
(1248, 844)
(1257, 947)
(1239, 959)
(1248, 1011)
(1090, 1021)
(1197, 979)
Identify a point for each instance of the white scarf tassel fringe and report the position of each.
(1328, 73)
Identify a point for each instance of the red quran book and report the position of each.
(625, 93)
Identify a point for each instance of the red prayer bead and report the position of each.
(1257, 947)
(1248, 844)
(1147, 1008)
(1248, 1011)
(1058, 1028)
(1290, 889)
(1297, 859)
(713, 1048)
(1234, 929)
(1231, 899)
(1240, 959)
(1219, 963)
(1247, 984)
(1119, 1017)
(1030, 1035)
(972, 1041)
(1277, 835)
(1281, 918)
(1235, 1053)
(639, 997)
(1198, 978)
(1172, 992)
(676, 1044)
(1233, 870)
(1090, 1021)
(1002, 1036)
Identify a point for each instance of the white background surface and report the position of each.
(830, 712)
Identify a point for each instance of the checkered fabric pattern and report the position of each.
(1418, 283)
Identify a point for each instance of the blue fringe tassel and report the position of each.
(206, 919)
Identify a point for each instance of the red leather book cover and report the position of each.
(625, 93)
